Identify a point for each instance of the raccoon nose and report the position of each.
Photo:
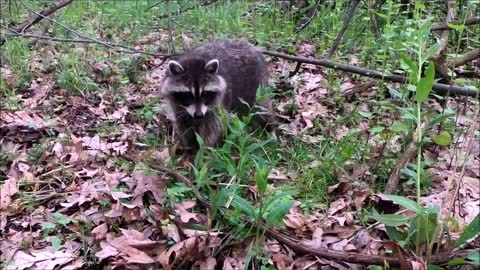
(198, 115)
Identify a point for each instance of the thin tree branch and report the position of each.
(311, 15)
(444, 26)
(44, 13)
(439, 88)
(348, 18)
(376, 28)
(39, 16)
(116, 47)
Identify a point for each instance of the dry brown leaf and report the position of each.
(7, 190)
(153, 183)
(100, 231)
(182, 208)
(42, 259)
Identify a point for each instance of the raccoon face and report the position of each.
(194, 86)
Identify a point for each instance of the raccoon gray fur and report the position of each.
(218, 73)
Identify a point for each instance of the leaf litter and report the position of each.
(81, 187)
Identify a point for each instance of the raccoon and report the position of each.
(218, 74)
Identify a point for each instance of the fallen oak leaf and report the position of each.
(100, 231)
(7, 190)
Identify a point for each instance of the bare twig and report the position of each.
(393, 180)
(43, 14)
(39, 16)
(439, 88)
(444, 26)
(348, 18)
(376, 28)
(358, 89)
(295, 71)
(467, 149)
(311, 15)
(116, 47)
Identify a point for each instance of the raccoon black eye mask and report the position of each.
(219, 73)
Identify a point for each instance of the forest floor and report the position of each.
(80, 133)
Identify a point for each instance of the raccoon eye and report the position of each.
(208, 94)
(183, 98)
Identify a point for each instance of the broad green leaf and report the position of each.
(474, 258)
(275, 199)
(218, 201)
(439, 118)
(405, 202)
(393, 234)
(391, 219)
(48, 226)
(368, 115)
(399, 127)
(276, 215)
(200, 141)
(457, 27)
(433, 267)
(423, 227)
(471, 231)
(261, 180)
(410, 66)
(456, 262)
(377, 129)
(56, 243)
(424, 86)
(443, 138)
(255, 146)
(243, 205)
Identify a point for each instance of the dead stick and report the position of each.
(35, 19)
(439, 88)
(117, 47)
(444, 26)
(351, 11)
(393, 180)
(467, 57)
(44, 13)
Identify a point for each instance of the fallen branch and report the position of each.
(35, 19)
(348, 18)
(444, 26)
(439, 88)
(467, 57)
(358, 89)
(116, 47)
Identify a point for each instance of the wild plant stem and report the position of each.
(419, 149)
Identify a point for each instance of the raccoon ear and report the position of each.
(212, 66)
(174, 67)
